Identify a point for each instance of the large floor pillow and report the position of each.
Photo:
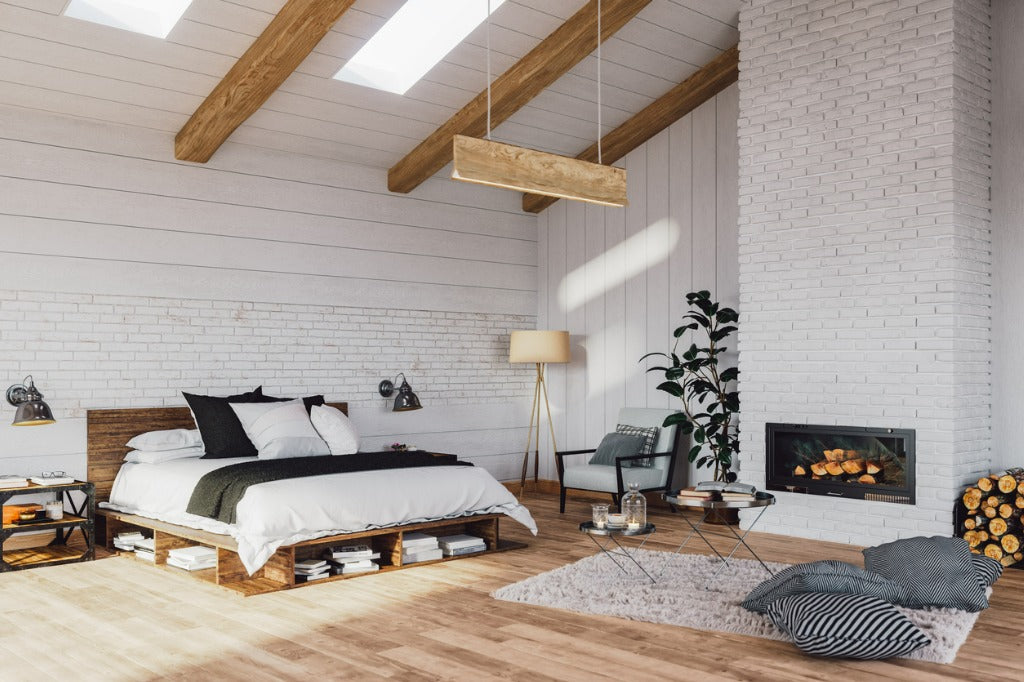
(846, 626)
(987, 569)
(830, 576)
(937, 571)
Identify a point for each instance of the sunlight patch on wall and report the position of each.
(617, 265)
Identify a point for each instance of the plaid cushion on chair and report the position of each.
(650, 436)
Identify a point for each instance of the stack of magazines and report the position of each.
(457, 545)
(418, 547)
(719, 490)
(126, 541)
(194, 558)
(311, 569)
(145, 549)
(349, 559)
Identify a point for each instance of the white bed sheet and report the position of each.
(284, 512)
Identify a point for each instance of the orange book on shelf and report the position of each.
(13, 511)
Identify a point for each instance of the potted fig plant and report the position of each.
(709, 400)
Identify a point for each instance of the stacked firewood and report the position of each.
(845, 465)
(992, 524)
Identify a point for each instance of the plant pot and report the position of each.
(724, 517)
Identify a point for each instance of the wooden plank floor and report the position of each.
(119, 619)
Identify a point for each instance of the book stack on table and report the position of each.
(719, 490)
(458, 545)
(349, 559)
(13, 481)
(145, 549)
(311, 569)
(418, 547)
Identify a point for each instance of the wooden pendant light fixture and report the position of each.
(485, 162)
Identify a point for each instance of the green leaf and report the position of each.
(729, 374)
(672, 388)
(676, 418)
(694, 451)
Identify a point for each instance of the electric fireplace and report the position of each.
(842, 461)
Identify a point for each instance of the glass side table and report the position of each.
(613, 534)
(760, 501)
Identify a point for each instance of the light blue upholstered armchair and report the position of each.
(615, 480)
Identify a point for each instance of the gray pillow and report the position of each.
(615, 445)
(987, 569)
(846, 626)
(938, 571)
(835, 577)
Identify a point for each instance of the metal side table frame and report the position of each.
(593, 532)
(761, 501)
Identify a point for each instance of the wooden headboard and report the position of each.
(109, 430)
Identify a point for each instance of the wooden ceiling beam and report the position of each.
(707, 82)
(543, 65)
(272, 57)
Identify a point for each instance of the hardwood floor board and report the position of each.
(447, 661)
(435, 622)
(501, 651)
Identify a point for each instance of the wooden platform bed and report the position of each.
(109, 430)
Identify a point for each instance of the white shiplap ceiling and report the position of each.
(52, 63)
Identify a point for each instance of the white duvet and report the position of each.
(288, 511)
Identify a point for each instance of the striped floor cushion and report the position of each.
(938, 571)
(830, 576)
(987, 569)
(846, 626)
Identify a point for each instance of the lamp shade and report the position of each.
(31, 410)
(542, 346)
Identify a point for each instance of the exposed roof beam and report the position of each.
(707, 82)
(542, 66)
(274, 55)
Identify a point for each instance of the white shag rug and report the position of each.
(596, 585)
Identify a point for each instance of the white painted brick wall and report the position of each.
(864, 242)
(91, 351)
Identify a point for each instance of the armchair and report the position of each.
(615, 479)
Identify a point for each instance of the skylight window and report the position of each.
(420, 34)
(151, 17)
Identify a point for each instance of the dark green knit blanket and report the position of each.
(218, 493)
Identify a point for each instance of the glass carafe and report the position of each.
(634, 506)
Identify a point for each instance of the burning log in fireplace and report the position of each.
(850, 466)
(990, 517)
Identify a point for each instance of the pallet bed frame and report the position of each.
(109, 430)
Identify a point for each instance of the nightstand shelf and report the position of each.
(57, 551)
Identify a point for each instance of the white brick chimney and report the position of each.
(864, 242)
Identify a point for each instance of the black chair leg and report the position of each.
(561, 501)
(615, 499)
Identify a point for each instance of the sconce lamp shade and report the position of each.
(32, 411)
(539, 346)
(406, 400)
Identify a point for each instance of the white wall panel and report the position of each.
(128, 276)
(677, 234)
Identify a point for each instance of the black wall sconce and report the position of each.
(32, 411)
(406, 399)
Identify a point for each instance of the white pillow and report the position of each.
(280, 430)
(335, 428)
(170, 439)
(160, 456)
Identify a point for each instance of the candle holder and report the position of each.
(600, 515)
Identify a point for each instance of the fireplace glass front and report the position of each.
(841, 461)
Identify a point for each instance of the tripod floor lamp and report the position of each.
(541, 348)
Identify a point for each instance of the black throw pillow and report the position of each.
(223, 435)
(309, 401)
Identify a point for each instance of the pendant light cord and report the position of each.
(599, 127)
(489, 69)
